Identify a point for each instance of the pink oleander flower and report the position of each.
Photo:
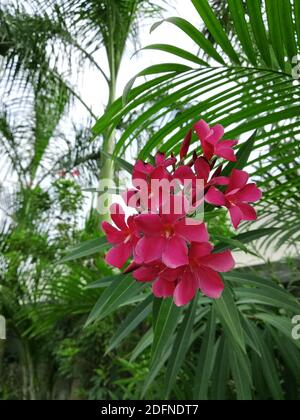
(166, 237)
(200, 273)
(212, 143)
(202, 172)
(237, 197)
(138, 197)
(162, 160)
(147, 172)
(163, 245)
(123, 237)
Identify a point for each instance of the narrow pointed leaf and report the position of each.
(181, 347)
(86, 249)
(229, 316)
(206, 359)
(215, 28)
(237, 11)
(133, 319)
(114, 296)
(195, 35)
(259, 30)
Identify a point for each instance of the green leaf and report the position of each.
(288, 28)
(280, 323)
(114, 296)
(106, 281)
(206, 360)
(241, 372)
(195, 35)
(165, 325)
(270, 369)
(123, 164)
(244, 238)
(85, 249)
(297, 19)
(252, 340)
(157, 302)
(215, 28)
(275, 30)
(155, 69)
(263, 290)
(178, 52)
(181, 346)
(156, 369)
(263, 297)
(259, 30)
(229, 316)
(232, 244)
(142, 345)
(237, 11)
(220, 378)
(112, 115)
(242, 156)
(289, 352)
(133, 319)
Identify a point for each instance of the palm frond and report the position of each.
(252, 88)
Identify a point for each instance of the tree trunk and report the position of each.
(29, 391)
(2, 349)
(107, 164)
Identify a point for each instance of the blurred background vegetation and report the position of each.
(47, 159)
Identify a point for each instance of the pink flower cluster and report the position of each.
(168, 248)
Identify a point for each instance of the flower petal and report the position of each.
(160, 159)
(225, 150)
(148, 224)
(192, 230)
(142, 168)
(149, 250)
(208, 149)
(131, 224)
(174, 209)
(146, 273)
(163, 288)
(171, 274)
(132, 267)
(250, 193)
(186, 289)
(215, 197)
(222, 262)
(198, 251)
(236, 216)
(248, 212)
(117, 256)
(118, 216)
(219, 180)
(113, 235)
(202, 169)
(238, 180)
(203, 130)
(218, 133)
(175, 253)
(159, 174)
(210, 283)
(184, 173)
